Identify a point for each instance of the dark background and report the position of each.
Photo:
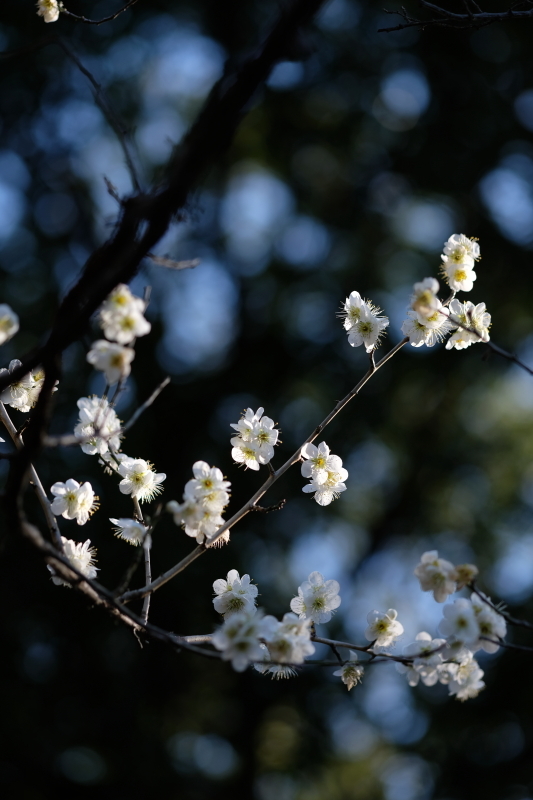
(350, 170)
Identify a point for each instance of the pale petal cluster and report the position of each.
(325, 471)
(276, 671)
(82, 557)
(204, 499)
(139, 479)
(257, 436)
(49, 10)
(74, 500)
(131, 530)
(427, 655)
(9, 323)
(474, 317)
(122, 316)
(23, 394)
(459, 624)
(458, 260)
(465, 679)
(362, 322)
(351, 673)
(239, 638)
(474, 624)
(441, 577)
(436, 575)
(235, 594)
(425, 330)
(112, 359)
(98, 426)
(317, 599)
(288, 641)
(383, 628)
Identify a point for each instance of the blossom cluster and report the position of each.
(430, 321)
(122, 320)
(204, 499)
(98, 427)
(24, 393)
(272, 646)
(49, 10)
(325, 472)
(257, 436)
(362, 322)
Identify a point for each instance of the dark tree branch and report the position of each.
(450, 19)
(98, 21)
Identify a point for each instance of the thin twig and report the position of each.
(102, 101)
(519, 623)
(450, 19)
(97, 21)
(34, 479)
(68, 440)
(169, 263)
(175, 570)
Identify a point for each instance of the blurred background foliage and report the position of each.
(353, 165)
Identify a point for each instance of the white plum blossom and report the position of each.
(121, 298)
(121, 316)
(288, 641)
(234, 595)
(459, 624)
(319, 462)
(112, 359)
(49, 10)
(424, 300)
(351, 673)
(244, 452)
(124, 326)
(325, 471)
(98, 425)
(426, 661)
(425, 331)
(362, 322)
(139, 479)
(131, 530)
(491, 625)
(207, 483)
(475, 317)
(24, 393)
(461, 250)
(239, 636)
(74, 500)
(383, 628)
(9, 323)
(82, 557)
(436, 575)
(460, 254)
(465, 679)
(317, 599)
(367, 330)
(204, 499)
(465, 574)
(276, 671)
(256, 440)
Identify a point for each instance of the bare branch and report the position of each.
(169, 263)
(273, 477)
(450, 19)
(34, 480)
(69, 440)
(101, 100)
(97, 21)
